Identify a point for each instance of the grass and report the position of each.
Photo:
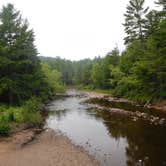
(28, 113)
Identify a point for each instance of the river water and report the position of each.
(113, 139)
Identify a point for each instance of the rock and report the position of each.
(164, 162)
(135, 119)
(38, 131)
(146, 158)
(162, 121)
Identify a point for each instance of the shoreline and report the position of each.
(160, 106)
(48, 147)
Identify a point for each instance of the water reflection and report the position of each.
(59, 114)
(146, 143)
(114, 139)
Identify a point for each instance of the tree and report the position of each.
(162, 13)
(111, 58)
(53, 77)
(19, 66)
(135, 21)
(152, 21)
(97, 76)
(162, 3)
(151, 70)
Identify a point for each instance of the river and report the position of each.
(113, 139)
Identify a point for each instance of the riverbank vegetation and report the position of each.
(139, 72)
(24, 82)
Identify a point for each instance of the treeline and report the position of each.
(139, 72)
(24, 81)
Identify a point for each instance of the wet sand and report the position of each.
(46, 149)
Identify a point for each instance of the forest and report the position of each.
(137, 73)
(25, 82)
(28, 80)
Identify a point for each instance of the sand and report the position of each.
(46, 149)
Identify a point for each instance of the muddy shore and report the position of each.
(45, 149)
(161, 106)
(28, 147)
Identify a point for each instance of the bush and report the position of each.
(30, 111)
(18, 115)
(3, 108)
(32, 105)
(27, 113)
(4, 127)
(34, 118)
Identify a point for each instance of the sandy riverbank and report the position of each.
(46, 149)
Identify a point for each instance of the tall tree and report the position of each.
(163, 3)
(97, 75)
(162, 13)
(152, 21)
(19, 65)
(135, 21)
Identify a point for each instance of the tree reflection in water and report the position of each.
(146, 142)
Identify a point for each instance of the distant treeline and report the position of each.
(139, 72)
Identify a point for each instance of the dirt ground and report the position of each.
(96, 95)
(46, 149)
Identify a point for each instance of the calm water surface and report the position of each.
(114, 140)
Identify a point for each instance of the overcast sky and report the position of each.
(75, 29)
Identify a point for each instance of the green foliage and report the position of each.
(64, 67)
(32, 105)
(53, 78)
(5, 117)
(28, 113)
(115, 76)
(4, 127)
(138, 73)
(152, 21)
(97, 76)
(20, 72)
(162, 3)
(134, 21)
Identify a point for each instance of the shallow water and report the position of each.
(113, 139)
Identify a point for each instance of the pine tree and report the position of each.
(152, 21)
(135, 21)
(162, 13)
(19, 65)
(163, 3)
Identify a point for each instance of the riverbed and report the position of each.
(112, 138)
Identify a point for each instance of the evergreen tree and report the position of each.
(135, 21)
(152, 21)
(163, 3)
(162, 13)
(20, 75)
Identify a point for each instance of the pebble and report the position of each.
(162, 121)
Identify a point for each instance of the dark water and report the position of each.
(114, 139)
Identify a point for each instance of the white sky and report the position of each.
(75, 29)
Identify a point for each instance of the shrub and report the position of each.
(32, 105)
(27, 113)
(4, 127)
(30, 111)
(18, 115)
